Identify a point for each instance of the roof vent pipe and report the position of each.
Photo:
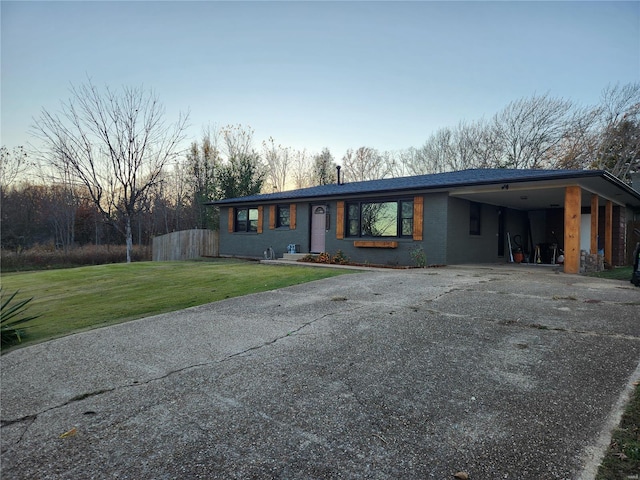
(338, 174)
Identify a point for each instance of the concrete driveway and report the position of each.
(500, 372)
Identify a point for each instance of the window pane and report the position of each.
(353, 211)
(353, 228)
(407, 226)
(253, 219)
(353, 219)
(407, 209)
(379, 219)
(241, 220)
(283, 216)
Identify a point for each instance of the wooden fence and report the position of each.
(185, 245)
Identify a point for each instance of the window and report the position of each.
(283, 216)
(246, 220)
(474, 218)
(406, 216)
(380, 219)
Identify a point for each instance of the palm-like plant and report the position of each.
(12, 315)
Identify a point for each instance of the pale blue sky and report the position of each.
(335, 74)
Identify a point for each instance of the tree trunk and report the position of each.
(129, 236)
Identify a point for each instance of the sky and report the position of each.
(311, 75)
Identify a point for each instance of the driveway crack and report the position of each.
(288, 334)
(31, 418)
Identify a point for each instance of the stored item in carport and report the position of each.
(635, 275)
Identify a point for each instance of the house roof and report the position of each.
(497, 186)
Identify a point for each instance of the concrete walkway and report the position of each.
(499, 372)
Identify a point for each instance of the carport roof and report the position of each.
(514, 188)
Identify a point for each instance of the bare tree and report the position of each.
(539, 132)
(395, 162)
(463, 147)
(528, 129)
(302, 171)
(487, 149)
(577, 148)
(365, 163)
(12, 165)
(60, 209)
(114, 143)
(436, 154)
(618, 149)
(410, 161)
(237, 141)
(278, 161)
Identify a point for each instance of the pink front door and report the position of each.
(318, 227)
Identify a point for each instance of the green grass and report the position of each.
(622, 460)
(76, 299)
(617, 273)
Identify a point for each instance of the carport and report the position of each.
(585, 201)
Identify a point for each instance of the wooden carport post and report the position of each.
(608, 232)
(572, 212)
(594, 224)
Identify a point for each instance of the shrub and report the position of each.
(46, 256)
(340, 258)
(12, 315)
(324, 257)
(308, 258)
(419, 257)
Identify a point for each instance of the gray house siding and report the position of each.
(441, 245)
(253, 245)
(446, 237)
(483, 248)
(434, 232)
(379, 256)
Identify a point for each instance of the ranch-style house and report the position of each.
(470, 216)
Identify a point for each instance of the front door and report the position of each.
(318, 227)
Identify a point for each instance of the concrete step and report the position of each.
(294, 256)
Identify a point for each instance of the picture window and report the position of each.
(391, 218)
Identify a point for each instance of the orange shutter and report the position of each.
(231, 219)
(418, 214)
(340, 220)
(260, 209)
(292, 216)
(272, 217)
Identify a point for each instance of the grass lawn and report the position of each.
(71, 300)
(622, 460)
(617, 273)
